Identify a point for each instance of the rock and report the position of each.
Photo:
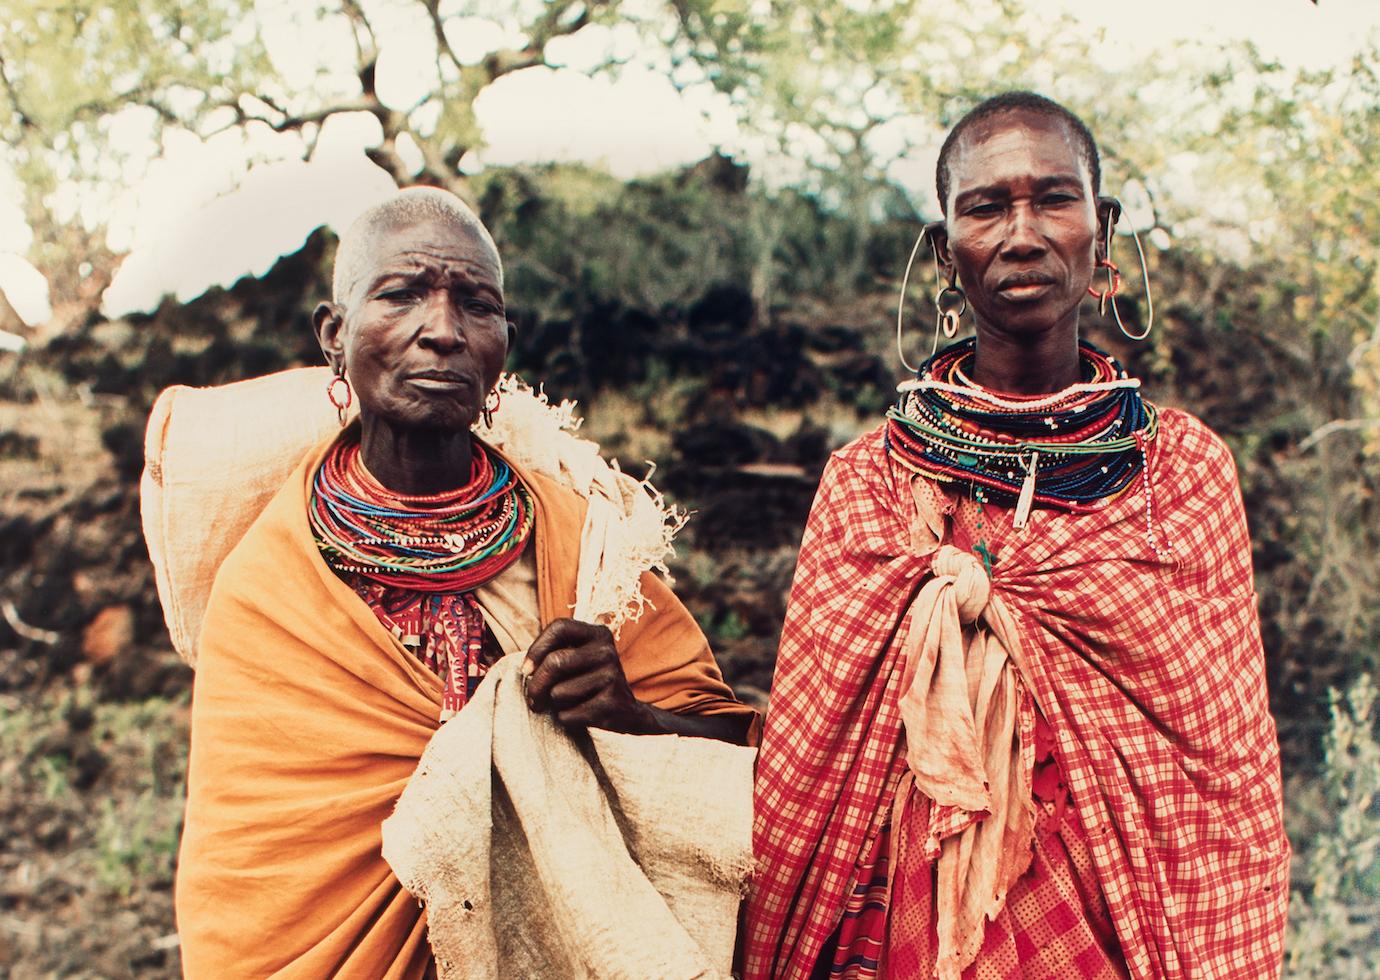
(110, 634)
(725, 310)
(716, 444)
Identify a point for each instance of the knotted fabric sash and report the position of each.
(969, 728)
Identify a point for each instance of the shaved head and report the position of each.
(1016, 103)
(413, 206)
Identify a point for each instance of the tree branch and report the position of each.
(359, 21)
(433, 10)
(25, 120)
(1336, 425)
(547, 28)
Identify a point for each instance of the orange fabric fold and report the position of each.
(308, 718)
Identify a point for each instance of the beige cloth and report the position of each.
(213, 457)
(539, 854)
(960, 708)
(509, 603)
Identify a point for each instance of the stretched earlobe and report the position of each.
(937, 233)
(328, 321)
(1108, 213)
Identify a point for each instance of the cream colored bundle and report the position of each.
(213, 457)
(621, 857)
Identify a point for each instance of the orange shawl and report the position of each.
(308, 718)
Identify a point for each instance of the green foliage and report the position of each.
(69, 69)
(1334, 930)
(136, 840)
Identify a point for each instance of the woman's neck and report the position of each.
(1027, 365)
(415, 462)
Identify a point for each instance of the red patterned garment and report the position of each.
(445, 631)
(1055, 924)
(1147, 666)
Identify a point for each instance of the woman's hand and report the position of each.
(572, 670)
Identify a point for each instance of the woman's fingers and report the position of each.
(578, 688)
(573, 671)
(565, 650)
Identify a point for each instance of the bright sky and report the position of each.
(196, 218)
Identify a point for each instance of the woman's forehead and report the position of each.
(417, 242)
(1016, 146)
(425, 247)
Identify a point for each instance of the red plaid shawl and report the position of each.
(1150, 671)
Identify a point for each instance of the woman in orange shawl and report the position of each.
(364, 606)
(1019, 726)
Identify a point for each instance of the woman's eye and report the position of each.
(480, 308)
(399, 296)
(989, 208)
(1059, 198)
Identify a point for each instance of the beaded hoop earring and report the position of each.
(341, 402)
(1114, 285)
(488, 410)
(950, 303)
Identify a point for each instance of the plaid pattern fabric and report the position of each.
(1148, 667)
(1054, 925)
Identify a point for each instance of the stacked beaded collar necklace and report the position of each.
(1074, 449)
(445, 543)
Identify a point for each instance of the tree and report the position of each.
(70, 72)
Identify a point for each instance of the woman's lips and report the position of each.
(1025, 291)
(1025, 287)
(438, 381)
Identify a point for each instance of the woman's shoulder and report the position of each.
(1191, 441)
(863, 457)
(561, 502)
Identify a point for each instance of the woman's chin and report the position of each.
(433, 419)
(1031, 320)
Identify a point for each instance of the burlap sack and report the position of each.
(213, 457)
(539, 854)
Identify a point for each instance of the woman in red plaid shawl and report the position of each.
(1019, 726)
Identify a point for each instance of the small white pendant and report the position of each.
(1027, 497)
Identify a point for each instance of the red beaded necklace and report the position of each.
(445, 542)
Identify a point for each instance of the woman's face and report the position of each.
(424, 334)
(1022, 223)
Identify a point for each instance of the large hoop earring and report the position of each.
(901, 304)
(1114, 285)
(341, 398)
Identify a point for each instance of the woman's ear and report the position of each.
(1108, 211)
(328, 320)
(938, 234)
(512, 337)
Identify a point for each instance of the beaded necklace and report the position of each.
(415, 560)
(1073, 449)
(442, 543)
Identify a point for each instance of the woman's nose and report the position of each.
(444, 323)
(1023, 232)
